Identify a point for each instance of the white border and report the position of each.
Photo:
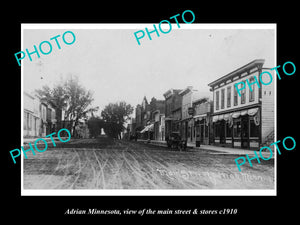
(154, 192)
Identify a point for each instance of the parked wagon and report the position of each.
(174, 141)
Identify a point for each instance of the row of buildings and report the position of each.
(41, 119)
(245, 121)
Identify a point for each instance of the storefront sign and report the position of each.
(191, 111)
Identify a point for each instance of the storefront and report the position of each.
(147, 132)
(244, 119)
(239, 129)
(201, 128)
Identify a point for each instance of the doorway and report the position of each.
(245, 131)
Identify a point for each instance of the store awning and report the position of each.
(252, 112)
(215, 119)
(199, 117)
(236, 114)
(148, 128)
(151, 126)
(169, 118)
(244, 112)
(226, 117)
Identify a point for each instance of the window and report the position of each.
(251, 90)
(222, 98)
(237, 128)
(235, 97)
(254, 130)
(29, 121)
(25, 121)
(228, 130)
(228, 96)
(243, 94)
(217, 100)
(217, 130)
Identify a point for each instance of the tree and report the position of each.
(115, 115)
(78, 99)
(56, 97)
(69, 96)
(95, 124)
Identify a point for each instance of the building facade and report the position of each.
(187, 123)
(157, 109)
(138, 119)
(173, 102)
(51, 119)
(202, 120)
(31, 116)
(39, 118)
(143, 127)
(244, 121)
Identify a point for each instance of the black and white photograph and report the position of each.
(149, 111)
(107, 110)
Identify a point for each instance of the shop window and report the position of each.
(25, 121)
(206, 130)
(29, 121)
(228, 130)
(222, 98)
(237, 128)
(217, 130)
(254, 130)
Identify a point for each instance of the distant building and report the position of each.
(143, 127)
(173, 102)
(39, 117)
(245, 121)
(31, 116)
(187, 123)
(51, 120)
(138, 119)
(157, 109)
(202, 120)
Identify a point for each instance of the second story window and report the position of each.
(222, 98)
(217, 100)
(228, 96)
(251, 93)
(235, 97)
(243, 94)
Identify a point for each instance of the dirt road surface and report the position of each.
(114, 164)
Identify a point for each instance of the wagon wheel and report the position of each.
(180, 147)
(174, 146)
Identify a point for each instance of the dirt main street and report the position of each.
(104, 163)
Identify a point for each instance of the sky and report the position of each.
(112, 64)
